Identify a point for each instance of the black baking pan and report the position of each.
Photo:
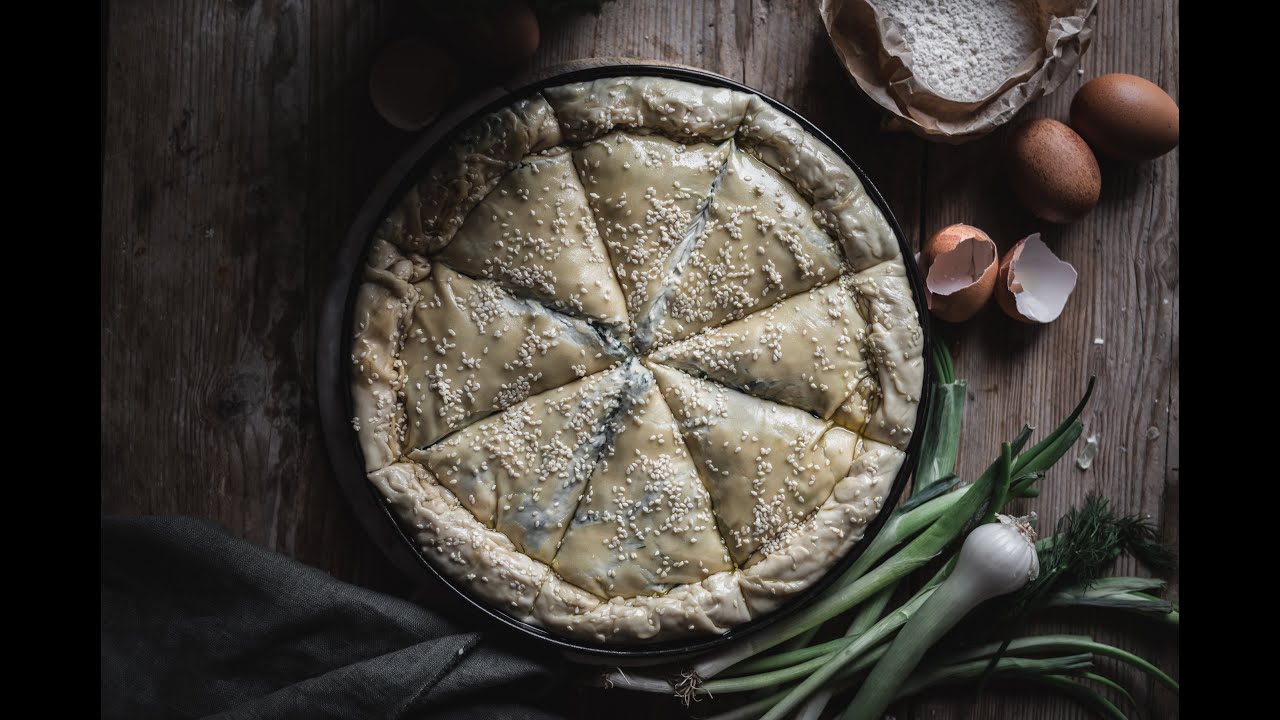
(333, 382)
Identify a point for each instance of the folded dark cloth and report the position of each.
(197, 623)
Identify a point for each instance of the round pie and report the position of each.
(635, 359)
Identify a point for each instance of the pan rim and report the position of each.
(333, 379)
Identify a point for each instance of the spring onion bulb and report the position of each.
(996, 559)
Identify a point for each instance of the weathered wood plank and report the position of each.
(228, 165)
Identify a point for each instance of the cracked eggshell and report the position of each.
(960, 264)
(1033, 284)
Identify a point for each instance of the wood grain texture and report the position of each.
(239, 142)
(228, 178)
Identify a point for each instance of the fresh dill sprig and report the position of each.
(1088, 539)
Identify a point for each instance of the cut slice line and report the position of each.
(679, 258)
(645, 524)
(706, 487)
(767, 466)
(642, 215)
(534, 233)
(522, 471)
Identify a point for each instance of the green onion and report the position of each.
(1128, 657)
(853, 651)
(1063, 643)
(865, 619)
(996, 559)
(1088, 696)
(1021, 647)
(917, 532)
(949, 525)
(925, 678)
(1028, 667)
(1103, 680)
(750, 711)
(851, 648)
(787, 659)
(1117, 593)
(1008, 666)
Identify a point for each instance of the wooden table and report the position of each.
(240, 140)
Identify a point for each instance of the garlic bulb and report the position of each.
(998, 558)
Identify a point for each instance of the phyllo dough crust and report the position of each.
(635, 359)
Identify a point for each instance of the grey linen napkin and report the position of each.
(197, 623)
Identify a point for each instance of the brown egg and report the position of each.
(959, 263)
(1125, 117)
(411, 81)
(1053, 171)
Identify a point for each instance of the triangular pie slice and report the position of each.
(645, 524)
(472, 348)
(759, 245)
(523, 470)
(805, 351)
(534, 232)
(788, 567)
(646, 192)
(886, 408)
(767, 466)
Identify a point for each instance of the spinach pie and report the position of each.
(635, 359)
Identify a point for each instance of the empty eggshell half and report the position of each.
(960, 264)
(1033, 284)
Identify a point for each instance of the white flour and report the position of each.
(964, 49)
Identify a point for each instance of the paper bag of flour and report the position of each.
(872, 47)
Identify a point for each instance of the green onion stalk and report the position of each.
(1087, 535)
(1025, 657)
(996, 559)
(1028, 657)
(1118, 593)
(866, 617)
